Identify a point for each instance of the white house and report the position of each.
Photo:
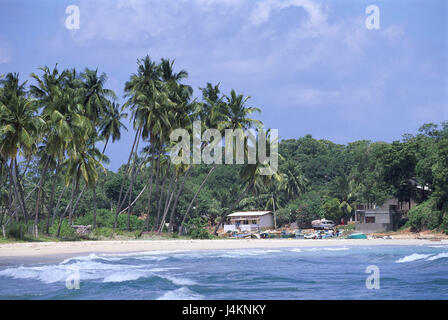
(249, 220)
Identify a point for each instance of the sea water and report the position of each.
(403, 272)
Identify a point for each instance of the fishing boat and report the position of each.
(357, 236)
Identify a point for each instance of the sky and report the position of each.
(312, 66)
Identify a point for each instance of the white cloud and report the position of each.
(240, 43)
(264, 9)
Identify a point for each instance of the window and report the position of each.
(370, 219)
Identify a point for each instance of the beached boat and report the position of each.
(357, 236)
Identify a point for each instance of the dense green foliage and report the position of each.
(51, 170)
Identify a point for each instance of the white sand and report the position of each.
(42, 249)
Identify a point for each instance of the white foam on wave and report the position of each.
(182, 293)
(318, 249)
(150, 256)
(178, 281)
(438, 256)
(413, 257)
(125, 276)
(245, 253)
(88, 270)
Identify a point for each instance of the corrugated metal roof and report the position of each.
(249, 213)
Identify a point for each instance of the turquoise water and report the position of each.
(410, 272)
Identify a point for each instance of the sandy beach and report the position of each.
(45, 249)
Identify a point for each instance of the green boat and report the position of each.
(357, 236)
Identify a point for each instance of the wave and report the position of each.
(182, 293)
(128, 276)
(88, 270)
(427, 257)
(438, 256)
(178, 281)
(318, 249)
(117, 257)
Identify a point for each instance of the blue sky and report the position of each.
(311, 65)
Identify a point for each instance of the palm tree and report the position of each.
(232, 114)
(96, 97)
(82, 162)
(48, 92)
(146, 99)
(293, 182)
(111, 124)
(252, 175)
(19, 129)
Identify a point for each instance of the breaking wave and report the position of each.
(182, 293)
(418, 256)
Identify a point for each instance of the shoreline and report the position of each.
(46, 251)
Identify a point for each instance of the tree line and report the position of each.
(52, 174)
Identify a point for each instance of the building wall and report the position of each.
(373, 227)
(380, 217)
(267, 221)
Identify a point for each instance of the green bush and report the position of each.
(444, 225)
(196, 228)
(105, 219)
(135, 223)
(67, 232)
(425, 216)
(103, 232)
(16, 230)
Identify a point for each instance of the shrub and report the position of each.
(444, 225)
(135, 223)
(105, 219)
(103, 232)
(196, 228)
(425, 216)
(16, 230)
(67, 232)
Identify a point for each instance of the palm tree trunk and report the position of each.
(19, 186)
(39, 196)
(136, 198)
(169, 198)
(177, 199)
(194, 198)
(275, 216)
(72, 209)
(94, 207)
(137, 134)
(16, 193)
(51, 202)
(146, 226)
(56, 209)
(105, 145)
(79, 198)
(159, 205)
(65, 211)
(224, 215)
(128, 226)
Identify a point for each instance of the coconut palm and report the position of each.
(111, 124)
(231, 114)
(96, 97)
(19, 129)
(251, 176)
(82, 162)
(48, 91)
(293, 181)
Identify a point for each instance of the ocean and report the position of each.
(346, 272)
